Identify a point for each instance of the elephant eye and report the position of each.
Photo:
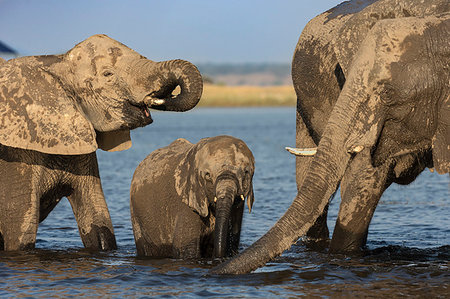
(207, 176)
(107, 73)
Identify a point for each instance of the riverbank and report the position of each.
(249, 96)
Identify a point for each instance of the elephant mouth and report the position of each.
(143, 111)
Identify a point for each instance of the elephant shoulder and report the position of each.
(160, 163)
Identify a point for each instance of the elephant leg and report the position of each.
(361, 189)
(92, 215)
(19, 210)
(19, 224)
(186, 239)
(319, 231)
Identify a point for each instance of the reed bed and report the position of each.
(234, 96)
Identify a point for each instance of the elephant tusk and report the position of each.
(302, 151)
(356, 149)
(215, 199)
(150, 101)
(157, 102)
(242, 197)
(249, 206)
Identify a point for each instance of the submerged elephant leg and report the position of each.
(186, 239)
(19, 224)
(92, 216)
(319, 231)
(89, 205)
(361, 189)
(19, 207)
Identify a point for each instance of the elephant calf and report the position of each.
(56, 111)
(187, 200)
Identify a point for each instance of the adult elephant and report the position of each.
(187, 200)
(390, 120)
(56, 110)
(320, 66)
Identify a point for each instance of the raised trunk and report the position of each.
(225, 194)
(178, 73)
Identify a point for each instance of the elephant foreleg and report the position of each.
(361, 189)
(92, 215)
(19, 208)
(19, 224)
(319, 231)
(186, 239)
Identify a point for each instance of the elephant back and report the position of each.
(159, 163)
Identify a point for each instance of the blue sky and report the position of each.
(196, 30)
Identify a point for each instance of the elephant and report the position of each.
(187, 200)
(385, 119)
(320, 66)
(56, 110)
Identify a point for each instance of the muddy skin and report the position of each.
(187, 200)
(369, 134)
(55, 111)
(325, 58)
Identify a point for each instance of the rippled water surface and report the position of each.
(408, 242)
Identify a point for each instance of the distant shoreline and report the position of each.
(247, 96)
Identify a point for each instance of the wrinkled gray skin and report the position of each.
(389, 121)
(55, 111)
(187, 200)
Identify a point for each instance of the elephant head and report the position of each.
(396, 93)
(221, 171)
(89, 97)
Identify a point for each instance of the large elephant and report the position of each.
(320, 66)
(187, 200)
(389, 122)
(56, 110)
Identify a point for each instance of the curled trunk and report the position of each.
(178, 73)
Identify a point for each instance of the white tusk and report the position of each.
(242, 197)
(215, 199)
(302, 151)
(157, 102)
(356, 149)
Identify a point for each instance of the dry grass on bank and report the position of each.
(232, 96)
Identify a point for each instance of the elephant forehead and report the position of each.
(227, 158)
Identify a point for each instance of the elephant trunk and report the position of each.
(226, 190)
(178, 73)
(322, 179)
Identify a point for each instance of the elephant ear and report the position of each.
(188, 183)
(441, 141)
(37, 114)
(114, 141)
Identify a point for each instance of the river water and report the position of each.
(409, 237)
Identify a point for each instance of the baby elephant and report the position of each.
(187, 200)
